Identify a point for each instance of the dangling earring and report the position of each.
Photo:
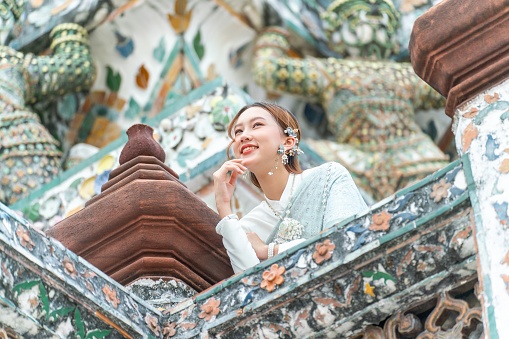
(284, 159)
(295, 150)
(280, 150)
(271, 172)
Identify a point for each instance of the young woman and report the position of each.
(298, 204)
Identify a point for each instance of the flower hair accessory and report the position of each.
(292, 132)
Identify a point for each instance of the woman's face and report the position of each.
(257, 137)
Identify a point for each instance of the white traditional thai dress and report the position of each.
(322, 197)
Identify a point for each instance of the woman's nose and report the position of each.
(245, 136)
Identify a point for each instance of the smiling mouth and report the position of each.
(247, 149)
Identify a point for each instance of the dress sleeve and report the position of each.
(238, 247)
(344, 199)
(287, 245)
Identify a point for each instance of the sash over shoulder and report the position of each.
(325, 197)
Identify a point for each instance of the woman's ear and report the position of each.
(289, 143)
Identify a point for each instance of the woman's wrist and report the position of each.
(223, 211)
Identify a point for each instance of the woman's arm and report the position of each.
(240, 251)
(244, 239)
(262, 250)
(235, 240)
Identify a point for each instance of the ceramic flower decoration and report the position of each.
(24, 238)
(209, 309)
(440, 190)
(69, 267)
(323, 251)
(111, 296)
(380, 221)
(169, 330)
(272, 277)
(152, 323)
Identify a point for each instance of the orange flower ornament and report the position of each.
(380, 221)
(272, 277)
(323, 251)
(440, 190)
(209, 309)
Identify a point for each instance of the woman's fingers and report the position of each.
(236, 164)
(231, 166)
(233, 177)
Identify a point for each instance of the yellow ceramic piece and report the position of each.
(72, 211)
(36, 3)
(206, 143)
(106, 163)
(103, 132)
(87, 188)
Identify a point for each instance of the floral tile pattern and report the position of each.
(192, 136)
(407, 248)
(58, 293)
(313, 289)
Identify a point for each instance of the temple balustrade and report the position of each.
(371, 273)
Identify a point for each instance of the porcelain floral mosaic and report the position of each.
(193, 137)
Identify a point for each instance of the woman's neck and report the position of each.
(273, 185)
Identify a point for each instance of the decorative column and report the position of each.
(146, 223)
(461, 48)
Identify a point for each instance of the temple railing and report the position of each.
(406, 251)
(373, 273)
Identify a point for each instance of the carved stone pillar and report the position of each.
(461, 48)
(146, 223)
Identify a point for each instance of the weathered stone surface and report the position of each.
(161, 293)
(49, 292)
(402, 253)
(456, 312)
(481, 133)
(467, 59)
(460, 48)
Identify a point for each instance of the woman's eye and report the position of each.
(257, 124)
(238, 131)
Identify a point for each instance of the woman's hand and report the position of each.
(259, 246)
(225, 179)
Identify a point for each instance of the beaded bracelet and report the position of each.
(270, 250)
